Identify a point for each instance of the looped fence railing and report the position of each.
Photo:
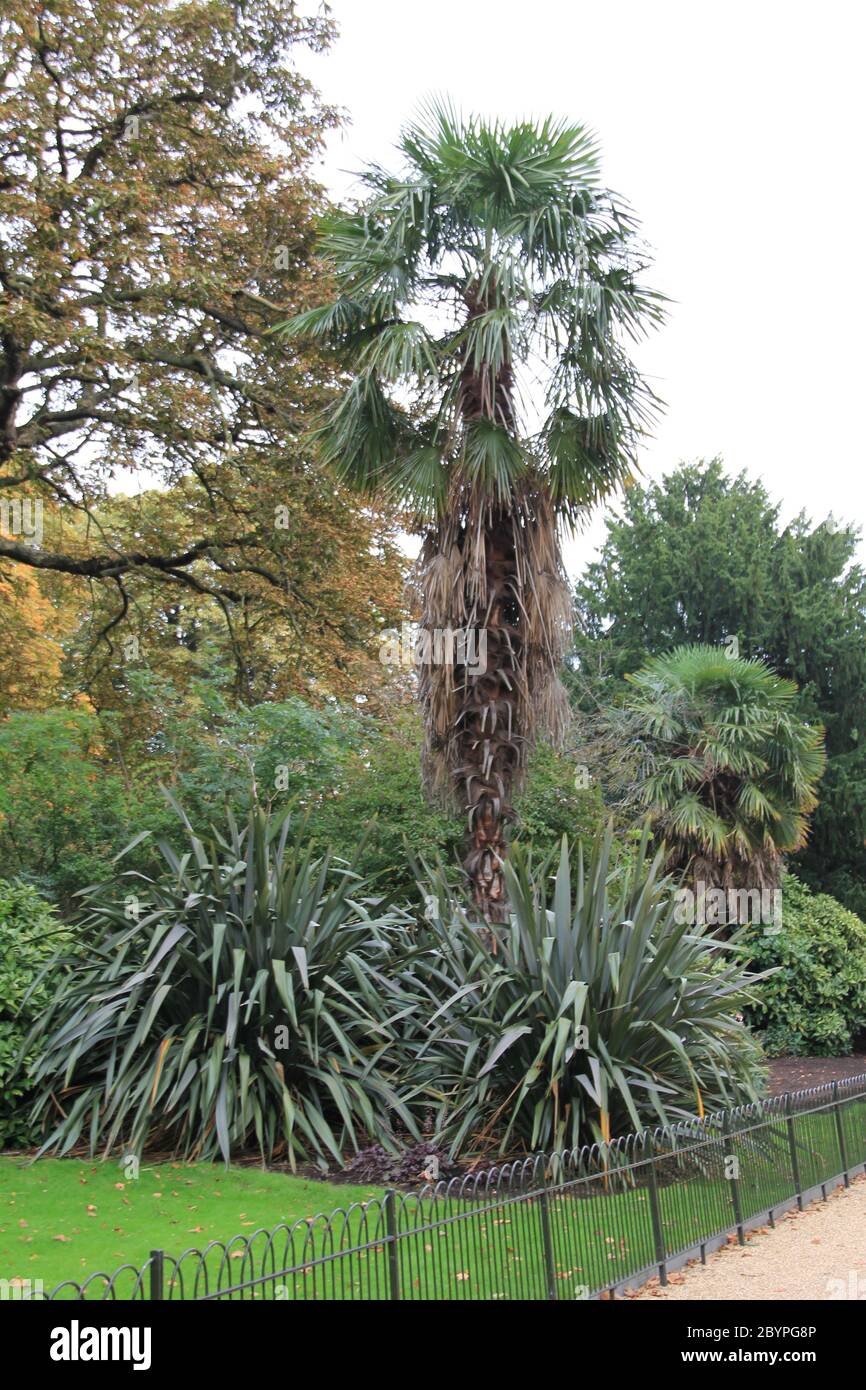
(576, 1225)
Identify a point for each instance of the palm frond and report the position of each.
(509, 227)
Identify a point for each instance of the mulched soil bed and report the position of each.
(800, 1073)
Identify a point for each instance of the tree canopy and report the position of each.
(158, 220)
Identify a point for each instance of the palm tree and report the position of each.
(725, 765)
(485, 297)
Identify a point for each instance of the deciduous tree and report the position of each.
(158, 219)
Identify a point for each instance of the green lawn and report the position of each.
(64, 1219)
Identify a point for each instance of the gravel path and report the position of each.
(817, 1254)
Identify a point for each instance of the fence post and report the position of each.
(391, 1241)
(734, 1181)
(656, 1216)
(840, 1134)
(546, 1237)
(157, 1276)
(792, 1147)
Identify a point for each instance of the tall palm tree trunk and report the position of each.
(489, 738)
(475, 705)
(491, 570)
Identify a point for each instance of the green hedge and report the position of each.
(816, 1003)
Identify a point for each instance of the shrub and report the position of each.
(63, 833)
(552, 803)
(815, 1003)
(64, 813)
(239, 997)
(593, 1013)
(376, 807)
(215, 752)
(28, 939)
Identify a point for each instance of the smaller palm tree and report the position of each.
(725, 766)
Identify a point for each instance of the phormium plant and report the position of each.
(239, 997)
(593, 1012)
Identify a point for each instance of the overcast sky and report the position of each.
(737, 132)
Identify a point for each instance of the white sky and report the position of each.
(736, 131)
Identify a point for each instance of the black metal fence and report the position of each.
(564, 1226)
